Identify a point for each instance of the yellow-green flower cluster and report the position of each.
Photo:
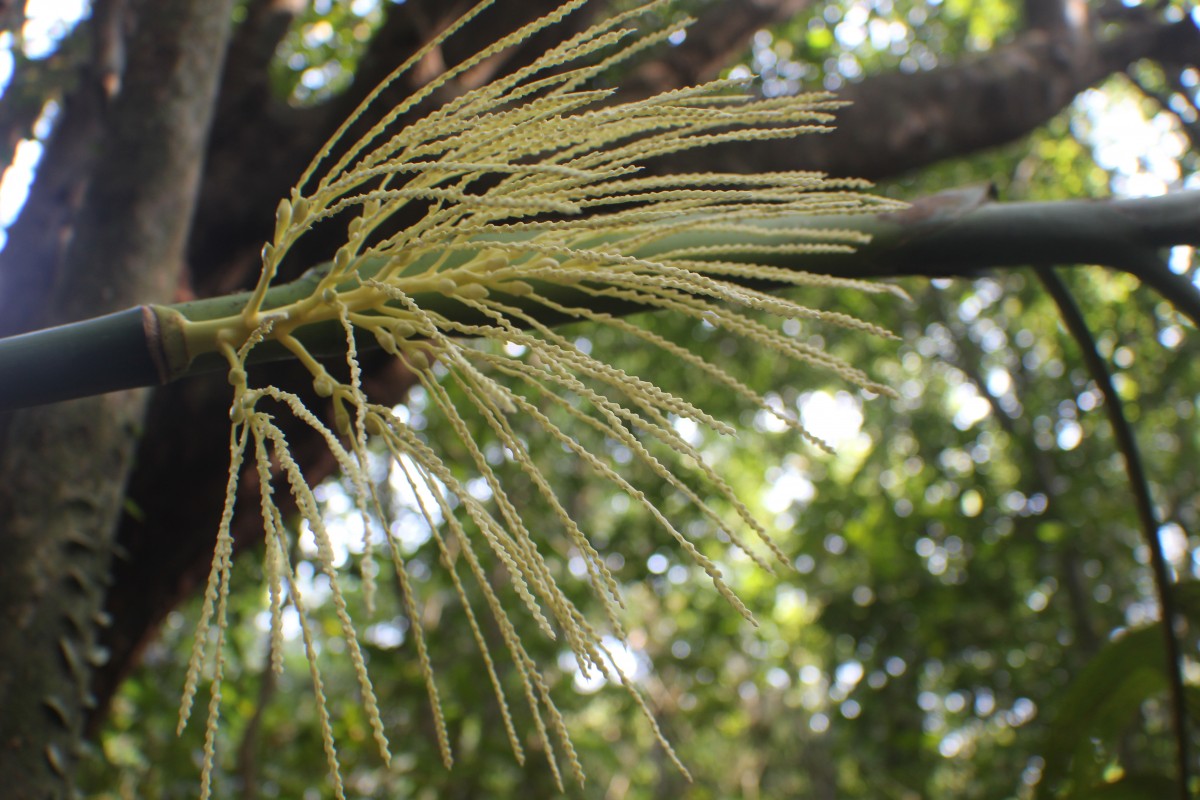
(524, 199)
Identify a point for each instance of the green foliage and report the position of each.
(318, 57)
(1101, 703)
(842, 41)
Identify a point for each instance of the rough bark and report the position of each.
(63, 471)
(33, 252)
(900, 122)
(716, 40)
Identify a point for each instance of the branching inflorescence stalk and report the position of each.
(530, 205)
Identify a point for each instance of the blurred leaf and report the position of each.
(1136, 786)
(1187, 600)
(1102, 700)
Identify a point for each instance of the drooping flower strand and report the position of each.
(528, 200)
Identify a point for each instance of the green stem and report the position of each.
(1139, 483)
(953, 234)
(104, 354)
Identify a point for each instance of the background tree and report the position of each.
(959, 576)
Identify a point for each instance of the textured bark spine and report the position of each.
(64, 467)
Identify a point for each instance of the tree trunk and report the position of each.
(62, 475)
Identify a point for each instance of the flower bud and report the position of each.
(323, 385)
(283, 219)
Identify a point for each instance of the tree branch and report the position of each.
(950, 234)
(717, 39)
(1127, 445)
(898, 122)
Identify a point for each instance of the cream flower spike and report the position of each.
(529, 203)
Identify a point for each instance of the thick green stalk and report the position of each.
(958, 233)
(95, 356)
